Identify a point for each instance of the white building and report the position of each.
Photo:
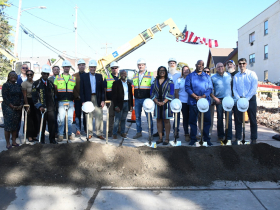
(259, 43)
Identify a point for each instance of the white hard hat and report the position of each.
(92, 63)
(46, 69)
(148, 105)
(81, 61)
(242, 104)
(66, 63)
(172, 59)
(114, 63)
(228, 103)
(88, 107)
(176, 105)
(203, 105)
(141, 60)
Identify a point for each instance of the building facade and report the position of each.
(259, 43)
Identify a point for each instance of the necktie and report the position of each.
(46, 83)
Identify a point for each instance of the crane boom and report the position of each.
(135, 43)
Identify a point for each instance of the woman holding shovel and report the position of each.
(32, 123)
(162, 92)
(11, 106)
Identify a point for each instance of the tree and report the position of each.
(53, 60)
(5, 43)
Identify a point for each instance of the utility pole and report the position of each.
(76, 36)
(106, 44)
(17, 29)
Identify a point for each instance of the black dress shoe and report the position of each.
(159, 141)
(42, 142)
(165, 143)
(54, 142)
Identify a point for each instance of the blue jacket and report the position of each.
(199, 85)
(85, 88)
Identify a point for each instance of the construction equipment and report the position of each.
(176, 106)
(104, 63)
(88, 107)
(149, 106)
(25, 108)
(66, 107)
(107, 123)
(41, 124)
(242, 106)
(203, 106)
(228, 104)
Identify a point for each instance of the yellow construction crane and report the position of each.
(135, 43)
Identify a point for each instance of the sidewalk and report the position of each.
(220, 195)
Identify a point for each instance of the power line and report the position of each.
(44, 19)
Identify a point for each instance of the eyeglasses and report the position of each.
(114, 68)
(207, 71)
(29, 75)
(24, 67)
(241, 64)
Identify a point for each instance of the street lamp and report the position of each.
(18, 21)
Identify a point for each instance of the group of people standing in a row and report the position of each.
(52, 94)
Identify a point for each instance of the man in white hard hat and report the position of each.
(142, 82)
(108, 84)
(92, 89)
(245, 84)
(77, 99)
(222, 88)
(43, 96)
(199, 85)
(64, 85)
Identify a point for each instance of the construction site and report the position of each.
(90, 172)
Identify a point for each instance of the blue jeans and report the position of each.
(252, 114)
(138, 111)
(78, 110)
(121, 116)
(193, 123)
(61, 117)
(220, 122)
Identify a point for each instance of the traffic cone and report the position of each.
(133, 116)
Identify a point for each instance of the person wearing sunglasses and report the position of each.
(22, 77)
(198, 85)
(108, 84)
(245, 84)
(222, 88)
(207, 71)
(32, 123)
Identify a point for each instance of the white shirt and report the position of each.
(23, 78)
(180, 85)
(125, 90)
(45, 82)
(92, 83)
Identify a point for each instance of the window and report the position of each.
(252, 58)
(266, 27)
(266, 52)
(252, 37)
(265, 75)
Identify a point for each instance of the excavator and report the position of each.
(135, 43)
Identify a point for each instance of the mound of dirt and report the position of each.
(91, 164)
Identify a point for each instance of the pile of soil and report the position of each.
(269, 117)
(91, 164)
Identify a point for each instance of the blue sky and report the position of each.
(117, 22)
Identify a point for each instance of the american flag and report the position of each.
(191, 38)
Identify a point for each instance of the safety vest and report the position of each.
(142, 91)
(65, 89)
(110, 80)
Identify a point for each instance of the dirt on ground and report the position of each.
(91, 164)
(269, 117)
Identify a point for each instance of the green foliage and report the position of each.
(53, 60)
(5, 43)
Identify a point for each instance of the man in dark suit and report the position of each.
(22, 77)
(92, 89)
(123, 101)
